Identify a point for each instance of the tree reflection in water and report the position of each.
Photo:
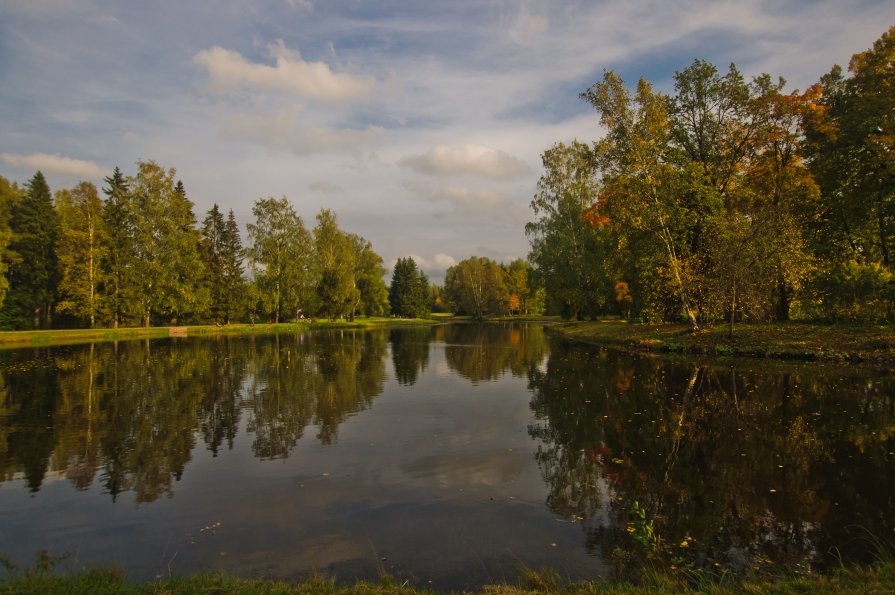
(753, 462)
(132, 412)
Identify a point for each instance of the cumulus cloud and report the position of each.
(230, 71)
(56, 164)
(475, 160)
(438, 263)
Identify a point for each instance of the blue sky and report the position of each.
(420, 123)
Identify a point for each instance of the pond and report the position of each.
(451, 456)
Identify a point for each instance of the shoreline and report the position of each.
(19, 339)
(793, 341)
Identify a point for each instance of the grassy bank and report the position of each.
(879, 578)
(11, 339)
(793, 341)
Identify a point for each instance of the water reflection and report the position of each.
(482, 353)
(753, 464)
(132, 412)
(410, 352)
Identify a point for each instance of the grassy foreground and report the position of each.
(72, 336)
(879, 578)
(793, 341)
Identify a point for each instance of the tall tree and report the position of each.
(232, 279)
(34, 278)
(368, 274)
(564, 246)
(118, 288)
(853, 157)
(168, 266)
(280, 255)
(82, 248)
(10, 194)
(335, 256)
(408, 293)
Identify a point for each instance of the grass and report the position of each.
(12, 339)
(877, 578)
(795, 340)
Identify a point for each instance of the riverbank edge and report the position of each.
(16, 339)
(876, 578)
(794, 341)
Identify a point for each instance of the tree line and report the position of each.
(726, 199)
(138, 256)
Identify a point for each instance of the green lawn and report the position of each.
(794, 340)
(71, 336)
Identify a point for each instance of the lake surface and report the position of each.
(450, 456)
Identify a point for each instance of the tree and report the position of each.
(476, 285)
(564, 247)
(368, 273)
(10, 194)
(34, 277)
(232, 278)
(279, 256)
(118, 286)
(82, 249)
(851, 144)
(408, 293)
(335, 260)
(221, 251)
(167, 264)
(515, 277)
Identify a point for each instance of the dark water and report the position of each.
(452, 456)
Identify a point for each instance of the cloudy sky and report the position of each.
(420, 123)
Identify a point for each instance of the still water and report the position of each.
(451, 456)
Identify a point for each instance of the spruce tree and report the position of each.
(35, 274)
(117, 271)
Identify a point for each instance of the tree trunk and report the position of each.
(783, 300)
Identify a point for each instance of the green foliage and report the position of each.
(476, 285)
(851, 291)
(408, 294)
(221, 250)
(34, 274)
(572, 257)
(280, 258)
(82, 249)
(118, 285)
(167, 265)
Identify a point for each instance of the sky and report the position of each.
(419, 123)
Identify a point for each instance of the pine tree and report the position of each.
(232, 278)
(118, 283)
(409, 291)
(35, 275)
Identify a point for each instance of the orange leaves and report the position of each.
(592, 216)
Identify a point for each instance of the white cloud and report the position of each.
(439, 263)
(56, 164)
(476, 160)
(527, 25)
(282, 130)
(230, 71)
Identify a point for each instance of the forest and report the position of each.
(724, 200)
